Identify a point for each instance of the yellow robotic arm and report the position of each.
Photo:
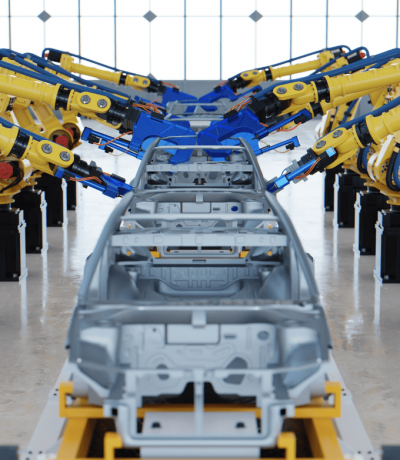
(346, 141)
(56, 160)
(339, 145)
(254, 77)
(295, 96)
(92, 105)
(55, 96)
(42, 155)
(137, 82)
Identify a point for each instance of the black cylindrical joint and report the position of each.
(316, 108)
(360, 165)
(116, 113)
(237, 83)
(81, 168)
(354, 57)
(322, 90)
(363, 134)
(54, 56)
(157, 87)
(267, 107)
(337, 52)
(268, 74)
(62, 98)
(273, 106)
(20, 145)
(389, 173)
(122, 79)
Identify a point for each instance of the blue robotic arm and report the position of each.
(244, 123)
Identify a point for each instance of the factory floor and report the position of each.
(363, 316)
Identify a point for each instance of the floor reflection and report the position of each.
(377, 307)
(24, 306)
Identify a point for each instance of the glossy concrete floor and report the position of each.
(364, 317)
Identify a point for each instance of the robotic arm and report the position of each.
(339, 145)
(144, 121)
(298, 101)
(17, 145)
(138, 82)
(256, 76)
(332, 58)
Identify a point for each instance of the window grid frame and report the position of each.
(220, 16)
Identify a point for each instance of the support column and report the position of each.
(12, 244)
(367, 205)
(346, 187)
(33, 203)
(387, 266)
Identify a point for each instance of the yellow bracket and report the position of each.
(289, 91)
(136, 81)
(287, 441)
(314, 410)
(81, 409)
(88, 102)
(253, 76)
(317, 418)
(317, 410)
(112, 441)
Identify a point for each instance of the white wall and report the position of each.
(196, 39)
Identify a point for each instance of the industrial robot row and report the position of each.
(33, 85)
(198, 330)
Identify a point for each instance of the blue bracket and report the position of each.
(110, 186)
(284, 122)
(278, 184)
(293, 140)
(244, 123)
(118, 144)
(145, 130)
(282, 181)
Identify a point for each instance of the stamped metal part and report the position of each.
(201, 282)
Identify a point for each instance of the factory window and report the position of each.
(196, 39)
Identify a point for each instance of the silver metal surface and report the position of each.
(362, 314)
(102, 103)
(47, 148)
(85, 99)
(65, 156)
